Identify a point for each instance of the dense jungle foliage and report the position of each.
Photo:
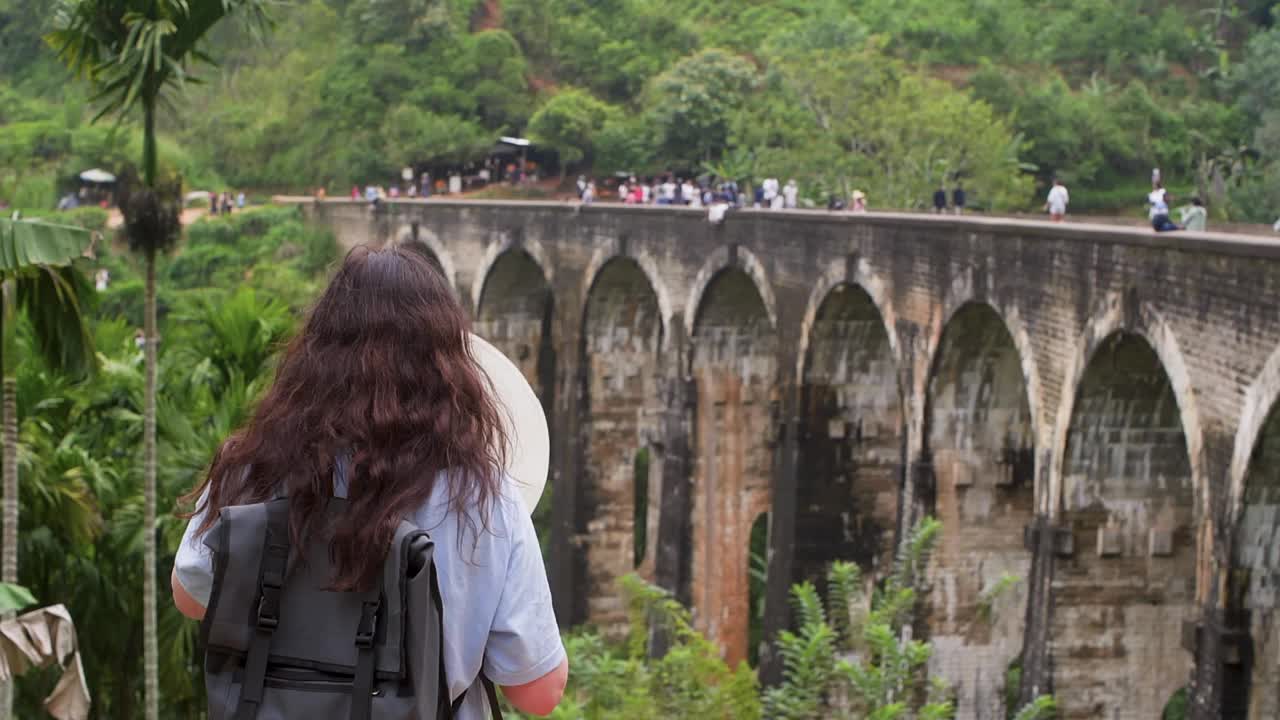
(228, 297)
(890, 96)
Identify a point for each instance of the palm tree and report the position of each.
(35, 266)
(137, 54)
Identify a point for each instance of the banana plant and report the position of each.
(38, 280)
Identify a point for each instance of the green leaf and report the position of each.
(15, 597)
(25, 244)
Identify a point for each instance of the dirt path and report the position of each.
(115, 219)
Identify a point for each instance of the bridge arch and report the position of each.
(852, 410)
(622, 338)
(725, 258)
(427, 241)
(1127, 483)
(849, 271)
(733, 360)
(1011, 319)
(649, 266)
(979, 439)
(1255, 518)
(1148, 324)
(1260, 400)
(507, 242)
(515, 307)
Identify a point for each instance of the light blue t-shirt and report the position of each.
(497, 604)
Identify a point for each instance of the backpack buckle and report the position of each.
(368, 624)
(269, 608)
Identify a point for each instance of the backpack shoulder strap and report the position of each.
(492, 694)
(275, 565)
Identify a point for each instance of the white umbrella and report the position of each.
(97, 176)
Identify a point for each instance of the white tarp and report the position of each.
(97, 176)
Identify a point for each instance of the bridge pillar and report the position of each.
(782, 534)
(1044, 541)
(674, 549)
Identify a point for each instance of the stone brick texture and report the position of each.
(1107, 384)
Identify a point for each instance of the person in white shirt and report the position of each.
(667, 192)
(1158, 211)
(690, 194)
(1157, 202)
(791, 194)
(1057, 201)
(770, 187)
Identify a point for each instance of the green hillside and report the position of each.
(891, 96)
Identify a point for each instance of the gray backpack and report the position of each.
(278, 646)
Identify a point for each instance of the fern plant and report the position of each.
(847, 662)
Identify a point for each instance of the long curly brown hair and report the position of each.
(383, 372)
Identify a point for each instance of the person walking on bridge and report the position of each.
(1057, 201)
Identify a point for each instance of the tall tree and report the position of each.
(38, 280)
(137, 55)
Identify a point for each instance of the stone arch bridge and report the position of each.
(1088, 410)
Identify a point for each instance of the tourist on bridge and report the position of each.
(689, 194)
(859, 202)
(770, 198)
(1194, 216)
(1158, 209)
(940, 200)
(791, 195)
(1057, 201)
(958, 199)
(667, 192)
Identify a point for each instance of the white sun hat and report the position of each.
(528, 440)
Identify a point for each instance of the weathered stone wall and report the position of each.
(1129, 583)
(980, 442)
(847, 490)
(1257, 578)
(515, 313)
(734, 351)
(1098, 450)
(621, 377)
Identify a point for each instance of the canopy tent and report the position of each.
(98, 176)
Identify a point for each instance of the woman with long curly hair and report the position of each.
(379, 400)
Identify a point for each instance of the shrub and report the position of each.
(199, 265)
(319, 250)
(89, 217)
